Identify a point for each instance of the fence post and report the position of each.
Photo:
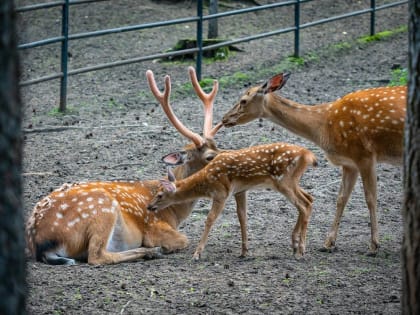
(64, 55)
(297, 27)
(199, 38)
(372, 17)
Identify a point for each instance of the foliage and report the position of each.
(399, 76)
(382, 35)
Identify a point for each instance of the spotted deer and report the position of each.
(278, 166)
(356, 132)
(107, 222)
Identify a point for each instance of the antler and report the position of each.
(163, 99)
(208, 101)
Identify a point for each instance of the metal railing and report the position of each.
(199, 19)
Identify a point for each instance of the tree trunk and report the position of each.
(213, 29)
(12, 244)
(411, 208)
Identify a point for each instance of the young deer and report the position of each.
(107, 222)
(278, 166)
(356, 132)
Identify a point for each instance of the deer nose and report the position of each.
(228, 122)
(151, 208)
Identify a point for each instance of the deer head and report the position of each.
(203, 149)
(251, 104)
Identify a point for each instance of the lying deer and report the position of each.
(107, 222)
(356, 132)
(278, 166)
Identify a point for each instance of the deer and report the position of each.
(356, 132)
(277, 166)
(106, 222)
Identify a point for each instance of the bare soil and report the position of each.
(115, 130)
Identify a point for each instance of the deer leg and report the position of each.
(166, 237)
(104, 257)
(283, 187)
(305, 210)
(216, 209)
(303, 203)
(348, 181)
(107, 230)
(368, 174)
(241, 210)
(99, 255)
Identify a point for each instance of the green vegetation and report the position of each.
(382, 35)
(341, 46)
(55, 112)
(299, 61)
(399, 76)
(113, 103)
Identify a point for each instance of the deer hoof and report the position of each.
(330, 249)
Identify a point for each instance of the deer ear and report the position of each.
(168, 185)
(174, 158)
(275, 83)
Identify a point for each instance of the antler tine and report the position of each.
(163, 99)
(208, 101)
(214, 130)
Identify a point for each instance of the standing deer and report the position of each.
(107, 222)
(278, 166)
(356, 132)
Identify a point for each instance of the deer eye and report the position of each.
(242, 102)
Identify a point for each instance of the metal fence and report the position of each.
(199, 19)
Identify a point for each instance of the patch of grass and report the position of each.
(55, 112)
(221, 53)
(206, 84)
(317, 272)
(342, 46)
(286, 281)
(374, 37)
(387, 238)
(382, 35)
(299, 61)
(199, 216)
(399, 76)
(264, 140)
(234, 79)
(113, 103)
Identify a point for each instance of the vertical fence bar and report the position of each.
(372, 17)
(199, 38)
(64, 55)
(297, 27)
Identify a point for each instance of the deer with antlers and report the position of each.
(356, 132)
(278, 166)
(107, 222)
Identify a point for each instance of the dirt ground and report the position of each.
(115, 130)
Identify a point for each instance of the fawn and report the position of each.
(278, 166)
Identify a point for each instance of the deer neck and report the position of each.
(303, 120)
(192, 188)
